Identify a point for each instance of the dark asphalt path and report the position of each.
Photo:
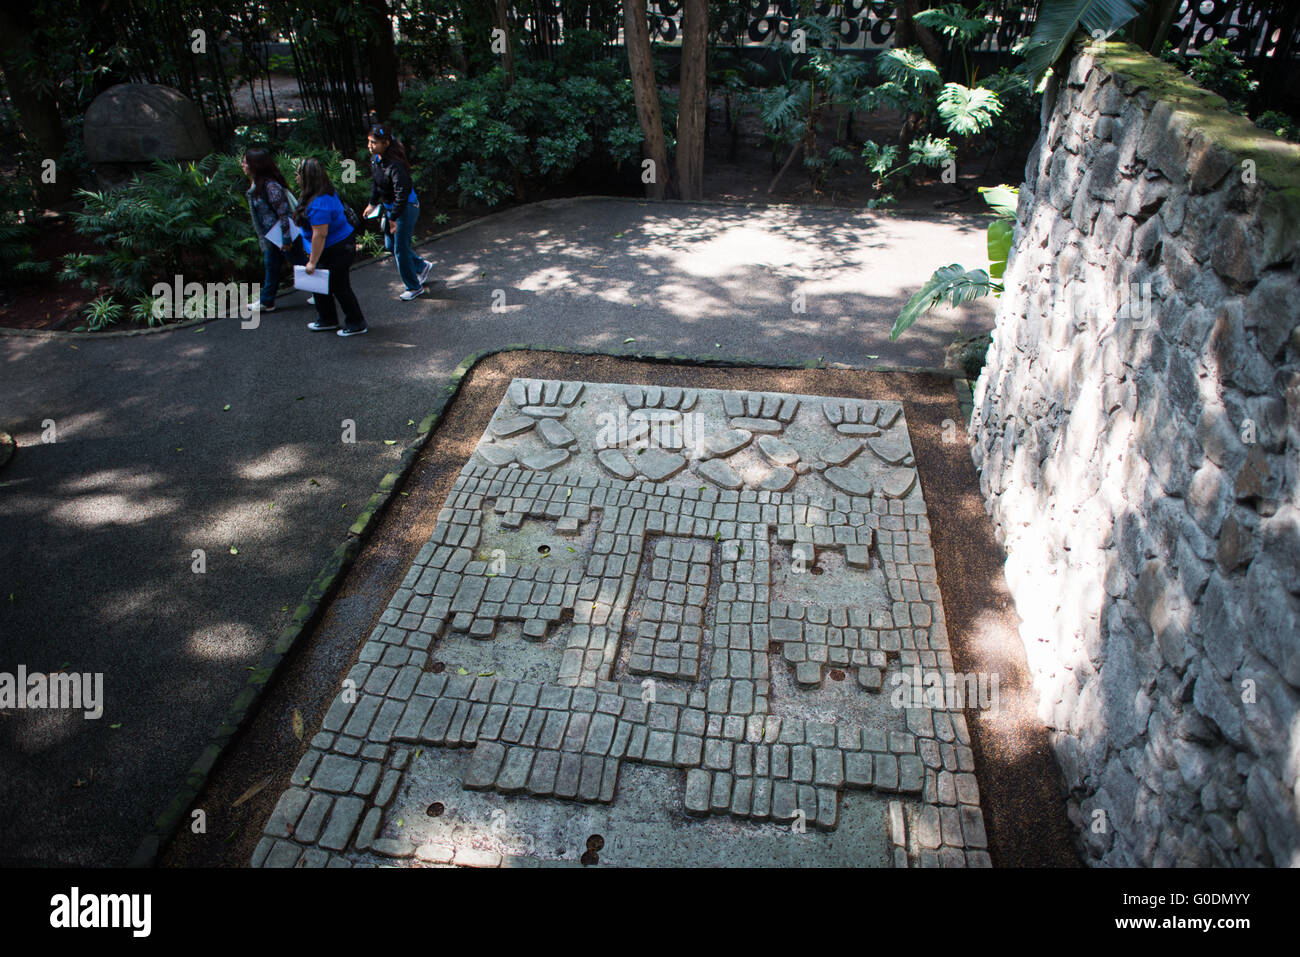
(98, 529)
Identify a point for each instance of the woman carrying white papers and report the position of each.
(331, 247)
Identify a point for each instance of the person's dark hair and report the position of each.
(393, 148)
(315, 182)
(262, 166)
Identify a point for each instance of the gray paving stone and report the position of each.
(885, 776)
(829, 767)
(283, 854)
(514, 772)
(336, 773)
(689, 749)
(911, 774)
(699, 789)
(287, 812)
(593, 770)
(719, 473)
(567, 777)
(484, 765)
(541, 778)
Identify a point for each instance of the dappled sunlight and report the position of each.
(121, 480)
(278, 462)
(547, 279)
(744, 248)
(224, 641)
(92, 511)
(32, 732)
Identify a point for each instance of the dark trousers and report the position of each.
(273, 260)
(338, 260)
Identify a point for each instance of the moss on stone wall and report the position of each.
(1277, 162)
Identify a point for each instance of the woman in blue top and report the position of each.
(331, 245)
(390, 174)
(268, 201)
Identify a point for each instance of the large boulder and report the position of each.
(139, 122)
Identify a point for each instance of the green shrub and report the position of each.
(1018, 122)
(1279, 123)
(189, 219)
(1218, 69)
(17, 232)
(475, 140)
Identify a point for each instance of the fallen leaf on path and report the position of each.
(225, 408)
(251, 791)
(298, 727)
(628, 339)
(234, 550)
(390, 441)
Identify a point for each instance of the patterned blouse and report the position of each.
(267, 210)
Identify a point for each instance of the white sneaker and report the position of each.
(424, 274)
(411, 294)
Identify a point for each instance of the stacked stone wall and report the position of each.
(1136, 429)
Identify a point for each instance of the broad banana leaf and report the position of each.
(1058, 20)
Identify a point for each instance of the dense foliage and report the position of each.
(479, 140)
(186, 219)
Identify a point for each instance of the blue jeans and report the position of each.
(409, 263)
(273, 258)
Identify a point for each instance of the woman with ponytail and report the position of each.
(392, 187)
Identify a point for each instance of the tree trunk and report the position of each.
(508, 57)
(640, 60)
(1152, 25)
(911, 33)
(692, 101)
(38, 111)
(383, 58)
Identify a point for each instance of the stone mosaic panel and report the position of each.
(676, 579)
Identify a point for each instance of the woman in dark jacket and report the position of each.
(331, 244)
(390, 173)
(268, 202)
